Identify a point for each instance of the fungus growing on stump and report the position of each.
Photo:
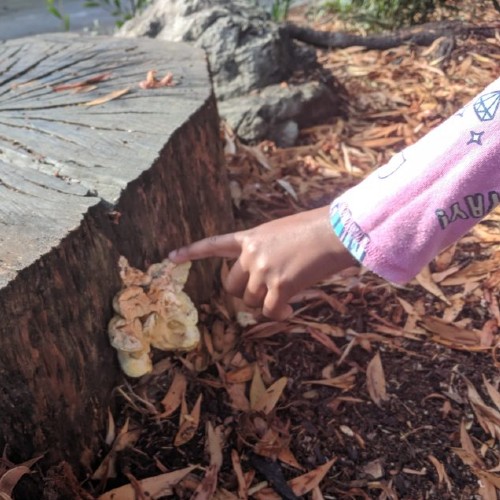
(152, 310)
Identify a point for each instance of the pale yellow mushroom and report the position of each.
(132, 276)
(126, 335)
(132, 302)
(135, 364)
(152, 310)
(133, 350)
(174, 327)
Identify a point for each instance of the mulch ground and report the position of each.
(370, 390)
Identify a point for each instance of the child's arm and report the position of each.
(275, 260)
(394, 222)
(429, 195)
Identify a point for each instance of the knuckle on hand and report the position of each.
(252, 248)
(212, 240)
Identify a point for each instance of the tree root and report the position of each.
(423, 34)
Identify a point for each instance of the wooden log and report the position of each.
(81, 183)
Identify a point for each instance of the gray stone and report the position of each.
(271, 112)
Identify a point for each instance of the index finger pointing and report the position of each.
(225, 245)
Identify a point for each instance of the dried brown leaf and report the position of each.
(318, 294)
(323, 339)
(189, 425)
(487, 417)
(111, 432)
(492, 392)
(237, 394)
(262, 492)
(223, 494)
(445, 258)
(108, 97)
(424, 279)
(271, 443)
(487, 476)
(173, 399)
(266, 330)
(208, 485)
(126, 437)
(468, 446)
(487, 490)
(316, 494)
(83, 83)
(439, 277)
(243, 374)
(238, 471)
(345, 381)
(268, 400)
(325, 328)
(310, 480)
(155, 487)
(214, 437)
(10, 478)
(451, 313)
(475, 271)
(257, 387)
(452, 335)
(375, 380)
(286, 456)
(441, 472)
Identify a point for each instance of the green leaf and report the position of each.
(54, 11)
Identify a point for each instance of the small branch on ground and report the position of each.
(424, 34)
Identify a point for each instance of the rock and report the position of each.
(374, 469)
(278, 111)
(249, 56)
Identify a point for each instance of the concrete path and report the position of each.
(30, 17)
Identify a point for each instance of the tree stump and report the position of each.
(85, 178)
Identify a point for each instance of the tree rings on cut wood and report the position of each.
(92, 166)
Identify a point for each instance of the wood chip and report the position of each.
(375, 381)
(108, 97)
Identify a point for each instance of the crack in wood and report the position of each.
(40, 131)
(25, 70)
(39, 62)
(10, 188)
(79, 124)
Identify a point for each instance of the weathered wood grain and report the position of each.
(79, 186)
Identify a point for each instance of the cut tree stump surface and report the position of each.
(81, 183)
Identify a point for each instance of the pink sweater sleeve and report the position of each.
(427, 196)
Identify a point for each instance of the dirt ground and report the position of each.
(370, 390)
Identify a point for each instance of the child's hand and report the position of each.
(275, 260)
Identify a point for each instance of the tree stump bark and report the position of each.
(84, 179)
